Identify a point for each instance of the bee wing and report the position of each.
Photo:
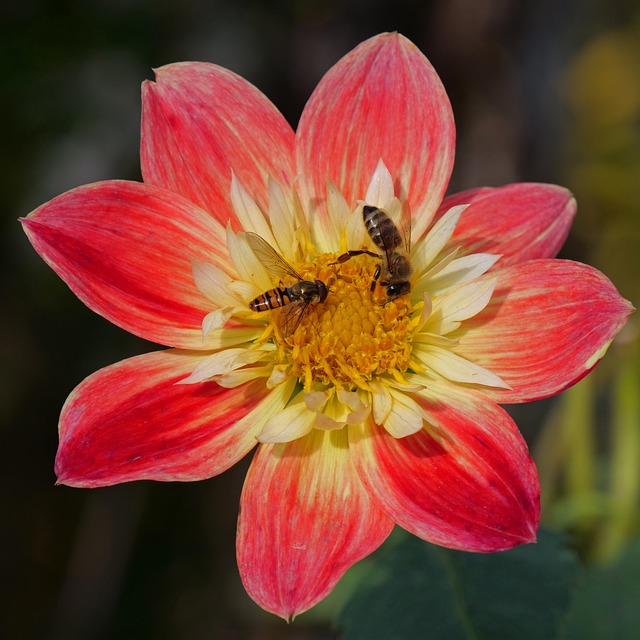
(290, 317)
(404, 227)
(272, 261)
(400, 215)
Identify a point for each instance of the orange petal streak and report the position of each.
(547, 325)
(131, 421)
(520, 222)
(466, 482)
(383, 100)
(305, 519)
(200, 123)
(126, 250)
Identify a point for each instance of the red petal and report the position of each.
(547, 325)
(200, 122)
(385, 101)
(520, 221)
(466, 482)
(131, 421)
(126, 250)
(304, 520)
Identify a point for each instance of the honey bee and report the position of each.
(295, 298)
(394, 270)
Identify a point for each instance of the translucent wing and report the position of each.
(272, 261)
(290, 317)
(404, 227)
(400, 215)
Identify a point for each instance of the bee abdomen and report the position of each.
(272, 299)
(381, 229)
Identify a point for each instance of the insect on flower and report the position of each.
(395, 268)
(296, 298)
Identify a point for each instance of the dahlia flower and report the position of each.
(372, 410)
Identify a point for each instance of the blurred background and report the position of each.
(542, 91)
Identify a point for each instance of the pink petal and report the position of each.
(200, 123)
(547, 325)
(126, 250)
(466, 482)
(131, 421)
(304, 520)
(385, 101)
(521, 221)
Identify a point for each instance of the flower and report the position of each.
(370, 410)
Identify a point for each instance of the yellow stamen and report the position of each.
(353, 335)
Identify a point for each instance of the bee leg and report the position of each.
(351, 254)
(376, 275)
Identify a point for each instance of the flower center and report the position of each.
(354, 334)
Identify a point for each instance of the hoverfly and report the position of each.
(395, 268)
(296, 298)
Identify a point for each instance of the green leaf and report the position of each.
(607, 602)
(417, 590)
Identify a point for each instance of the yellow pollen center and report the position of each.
(354, 335)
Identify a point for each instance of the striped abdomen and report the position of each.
(381, 229)
(303, 292)
(272, 299)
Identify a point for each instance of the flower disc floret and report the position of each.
(350, 337)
